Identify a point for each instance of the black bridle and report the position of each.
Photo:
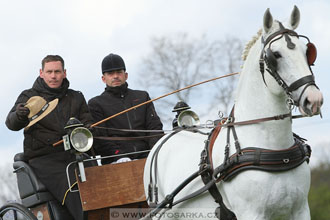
(268, 57)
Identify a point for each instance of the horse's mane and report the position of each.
(249, 45)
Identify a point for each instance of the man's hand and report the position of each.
(22, 112)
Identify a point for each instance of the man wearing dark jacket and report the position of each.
(48, 162)
(116, 98)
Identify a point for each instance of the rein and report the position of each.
(254, 121)
(129, 138)
(151, 100)
(229, 122)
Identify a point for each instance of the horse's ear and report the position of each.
(295, 18)
(268, 20)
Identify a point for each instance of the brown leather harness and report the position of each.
(253, 157)
(263, 159)
(247, 158)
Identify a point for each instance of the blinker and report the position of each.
(271, 59)
(311, 53)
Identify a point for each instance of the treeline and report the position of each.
(319, 194)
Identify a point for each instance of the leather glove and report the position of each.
(22, 112)
(122, 160)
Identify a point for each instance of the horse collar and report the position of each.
(251, 157)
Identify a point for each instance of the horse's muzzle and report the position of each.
(311, 101)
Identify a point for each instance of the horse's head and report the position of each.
(287, 58)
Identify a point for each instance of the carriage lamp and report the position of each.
(188, 118)
(184, 117)
(81, 138)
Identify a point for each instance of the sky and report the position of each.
(83, 32)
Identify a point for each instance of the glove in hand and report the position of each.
(21, 111)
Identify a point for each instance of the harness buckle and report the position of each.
(229, 120)
(203, 160)
(210, 124)
(290, 103)
(280, 82)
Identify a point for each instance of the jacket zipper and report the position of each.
(129, 122)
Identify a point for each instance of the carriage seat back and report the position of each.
(33, 193)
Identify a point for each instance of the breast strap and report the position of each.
(264, 159)
(247, 159)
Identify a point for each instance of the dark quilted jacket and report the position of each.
(39, 138)
(114, 100)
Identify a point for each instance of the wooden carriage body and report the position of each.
(112, 186)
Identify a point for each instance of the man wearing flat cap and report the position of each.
(136, 123)
(43, 112)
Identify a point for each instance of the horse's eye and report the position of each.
(277, 55)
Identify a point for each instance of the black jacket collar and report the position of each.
(51, 93)
(119, 91)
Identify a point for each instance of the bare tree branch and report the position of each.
(228, 62)
(8, 184)
(179, 61)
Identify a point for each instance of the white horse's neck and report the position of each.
(254, 100)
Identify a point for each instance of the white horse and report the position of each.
(252, 194)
